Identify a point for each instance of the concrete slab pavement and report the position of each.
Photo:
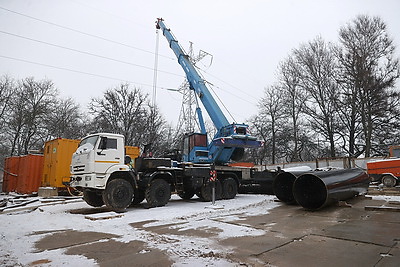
(345, 235)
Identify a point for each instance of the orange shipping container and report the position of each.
(57, 161)
(29, 174)
(10, 176)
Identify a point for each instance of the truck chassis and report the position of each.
(155, 179)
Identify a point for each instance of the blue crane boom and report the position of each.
(230, 139)
(195, 80)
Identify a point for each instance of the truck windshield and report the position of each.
(89, 140)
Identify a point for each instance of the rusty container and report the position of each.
(10, 175)
(57, 161)
(29, 173)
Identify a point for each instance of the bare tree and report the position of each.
(7, 87)
(386, 131)
(368, 69)
(121, 110)
(270, 118)
(294, 98)
(159, 134)
(32, 102)
(65, 120)
(128, 112)
(317, 65)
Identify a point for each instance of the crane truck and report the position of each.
(102, 171)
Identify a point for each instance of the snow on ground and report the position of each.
(19, 229)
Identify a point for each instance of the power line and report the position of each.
(104, 12)
(87, 53)
(108, 40)
(231, 86)
(232, 94)
(84, 33)
(222, 103)
(228, 92)
(75, 71)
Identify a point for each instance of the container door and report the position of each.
(65, 149)
(53, 162)
(30, 174)
(47, 168)
(10, 177)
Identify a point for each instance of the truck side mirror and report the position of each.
(103, 143)
(127, 160)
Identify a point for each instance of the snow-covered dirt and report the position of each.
(184, 232)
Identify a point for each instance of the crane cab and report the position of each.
(195, 148)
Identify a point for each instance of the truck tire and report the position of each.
(229, 188)
(92, 198)
(206, 191)
(118, 195)
(389, 181)
(158, 193)
(187, 194)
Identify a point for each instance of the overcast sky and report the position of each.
(55, 40)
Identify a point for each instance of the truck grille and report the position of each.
(78, 168)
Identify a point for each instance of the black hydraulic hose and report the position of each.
(316, 190)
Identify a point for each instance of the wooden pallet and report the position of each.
(103, 216)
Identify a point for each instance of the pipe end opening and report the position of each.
(310, 191)
(283, 187)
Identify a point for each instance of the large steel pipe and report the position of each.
(283, 184)
(314, 191)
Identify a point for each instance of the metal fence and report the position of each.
(342, 163)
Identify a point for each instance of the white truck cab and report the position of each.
(98, 169)
(97, 157)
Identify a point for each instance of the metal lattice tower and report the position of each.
(187, 121)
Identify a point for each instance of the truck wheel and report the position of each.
(229, 188)
(138, 197)
(158, 193)
(187, 194)
(206, 191)
(389, 181)
(118, 195)
(92, 198)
